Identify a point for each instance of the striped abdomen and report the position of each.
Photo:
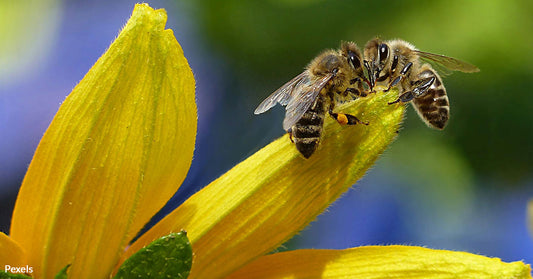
(433, 107)
(306, 132)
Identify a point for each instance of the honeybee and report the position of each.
(333, 76)
(398, 63)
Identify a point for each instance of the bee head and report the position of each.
(326, 63)
(351, 52)
(377, 55)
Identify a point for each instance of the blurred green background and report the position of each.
(464, 188)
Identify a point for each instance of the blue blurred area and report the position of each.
(378, 211)
(465, 188)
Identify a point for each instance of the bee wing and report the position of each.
(304, 96)
(281, 95)
(447, 62)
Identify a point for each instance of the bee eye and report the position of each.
(354, 60)
(383, 52)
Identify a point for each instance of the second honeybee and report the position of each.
(398, 63)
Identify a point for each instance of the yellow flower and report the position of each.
(122, 143)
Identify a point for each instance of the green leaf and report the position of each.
(7, 275)
(62, 274)
(167, 257)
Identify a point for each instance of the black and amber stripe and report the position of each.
(306, 132)
(433, 107)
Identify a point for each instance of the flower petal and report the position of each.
(275, 193)
(116, 151)
(374, 262)
(10, 252)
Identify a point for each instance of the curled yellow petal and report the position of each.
(373, 262)
(10, 252)
(116, 151)
(269, 197)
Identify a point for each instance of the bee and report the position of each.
(398, 63)
(333, 76)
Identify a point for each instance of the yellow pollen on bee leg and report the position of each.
(342, 119)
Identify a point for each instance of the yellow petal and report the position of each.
(116, 151)
(10, 252)
(373, 262)
(275, 193)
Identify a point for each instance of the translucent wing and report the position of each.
(305, 94)
(281, 95)
(447, 62)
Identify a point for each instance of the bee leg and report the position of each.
(421, 88)
(290, 134)
(352, 120)
(354, 92)
(357, 79)
(395, 60)
(346, 119)
(405, 97)
(403, 73)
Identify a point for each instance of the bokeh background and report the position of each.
(464, 188)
